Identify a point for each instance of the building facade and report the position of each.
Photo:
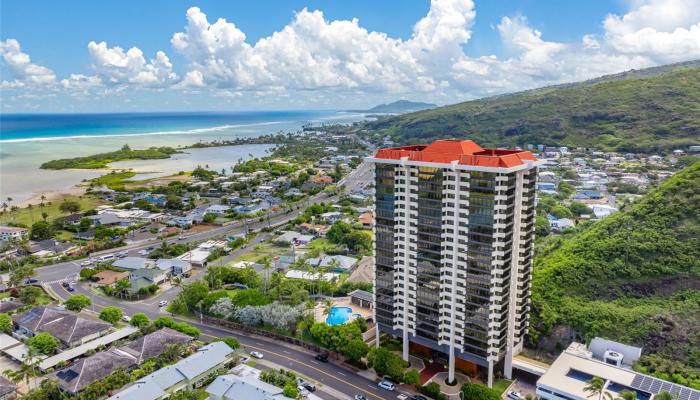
(454, 236)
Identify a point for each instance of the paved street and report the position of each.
(329, 374)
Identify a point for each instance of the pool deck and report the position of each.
(341, 302)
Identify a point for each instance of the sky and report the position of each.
(172, 55)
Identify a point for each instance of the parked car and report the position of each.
(360, 397)
(309, 387)
(387, 385)
(302, 392)
(162, 303)
(126, 318)
(256, 354)
(29, 281)
(86, 263)
(65, 284)
(123, 254)
(70, 288)
(513, 395)
(323, 357)
(419, 397)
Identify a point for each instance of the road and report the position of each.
(328, 374)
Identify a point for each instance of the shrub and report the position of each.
(111, 314)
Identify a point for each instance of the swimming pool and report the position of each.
(338, 315)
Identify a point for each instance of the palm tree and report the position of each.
(664, 395)
(44, 215)
(267, 266)
(596, 387)
(24, 373)
(327, 305)
(43, 199)
(627, 395)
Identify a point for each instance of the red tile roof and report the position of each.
(466, 152)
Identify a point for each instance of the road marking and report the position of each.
(342, 374)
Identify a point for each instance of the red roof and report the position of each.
(466, 152)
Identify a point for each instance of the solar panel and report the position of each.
(637, 380)
(666, 386)
(656, 385)
(685, 394)
(646, 383)
(67, 375)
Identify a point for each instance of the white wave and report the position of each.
(175, 132)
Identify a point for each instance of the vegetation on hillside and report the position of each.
(101, 160)
(632, 277)
(639, 112)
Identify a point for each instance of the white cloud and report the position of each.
(22, 67)
(115, 66)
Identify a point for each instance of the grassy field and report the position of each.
(28, 216)
(260, 251)
(501, 385)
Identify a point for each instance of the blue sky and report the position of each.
(461, 50)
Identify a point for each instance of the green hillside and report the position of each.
(638, 111)
(633, 277)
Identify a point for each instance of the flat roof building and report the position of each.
(454, 231)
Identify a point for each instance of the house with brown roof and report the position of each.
(367, 220)
(153, 344)
(92, 369)
(70, 328)
(86, 371)
(108, 277)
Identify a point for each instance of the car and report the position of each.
(419, 397)
(162, 303)
(143, 252)
(309, 387)
(514, 395)
(150, 248)
(323, 357)
(360, 397)
(387, 385)
(126, 318)
(122, 254)
(180, 238)
(86, 263)
(65, 284)
(302, 392)
(256, 354)
(70, 289)
(29, 281)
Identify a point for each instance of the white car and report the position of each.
(256, 354)
(513, 395)
(162, 303)
(126, 318)
(387, 385)
(143, 252)
(123, 254)
(86, 263)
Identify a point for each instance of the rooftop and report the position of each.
(465, 152)
(64, 325)
(230, 387)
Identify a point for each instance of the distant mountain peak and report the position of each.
(398, 107)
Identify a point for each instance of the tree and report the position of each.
(85, 224)
(209, 218)
(41, 230)
(596, 387)
(473, 391)
(19, 274)
(578, 209)
(111, 314)
(412, 377)
(355, 349)
(627, 395)
(44, 343)
(140, 320)
(69, 206)
(231, 341)
(30, 294)
(560, 211)
(290, 391)
(338, 232)
(24, 372)
(77, 302)
(386, 363)
(327, 306)
(5, 323)
(542, 227)
(664, 395)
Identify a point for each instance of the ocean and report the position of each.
(28, 140)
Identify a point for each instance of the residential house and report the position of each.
(336, 263)
(588, 195)
(284, 261)
(145, 277)
(362, 298)
(13, 233)
(108, 277)
(217, 209)
(561, 224)
(252, 208)
(108, 219)
(86, 371)
(546, 186)
(293, 192)
(196, 257)
(134, 263)
(8, 390)
(295, 238)
(9, 305)
(175, 266)
(333, 217)
(151, 345)
(51, 247)
(188, 373)
(232, 387)
(85, 235)
(315, 229)
(367, 220)
(308, 276)
(70, 328)
(602, 210)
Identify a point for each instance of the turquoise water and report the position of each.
(339, 315)
(28, 140)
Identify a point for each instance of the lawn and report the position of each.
(501, 385)
(260, 251)
(28, 216)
